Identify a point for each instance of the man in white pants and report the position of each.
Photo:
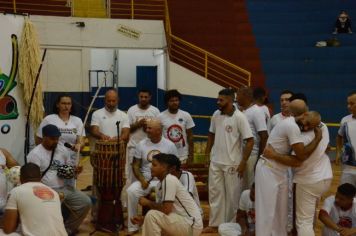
(228, 129)
(257, 120)
(178, 126)
(145, 150)
(271, 176)
(313, 177)
(174, 212)
(284, 101)
(138, 115)
(346, 140)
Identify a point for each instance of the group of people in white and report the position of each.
(254, 162)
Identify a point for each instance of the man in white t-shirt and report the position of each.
(284, 101)
(346, 142)
(138, 116)
(313, 177)
(257, 120)
(339, 212)
(186, 178)
(175, 212)
(245, 216)
(229, 128)
(37, 206)
(104, 121)
(271, 175)
(178, 126)
(50, 156)
(154, 143)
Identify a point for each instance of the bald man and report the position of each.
(154, 143)
(271, 176)
(104, 121)
(313, 177)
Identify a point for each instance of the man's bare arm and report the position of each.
(94, 130)
(190, 140)
(327, 221)
(10, 160)
(241, 219)
(165, 207)
(125, 134)
(209, 145)
(11, 221)
(263, 140)
(339, 144)
(288, 160)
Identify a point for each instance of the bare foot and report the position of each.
(210, 230)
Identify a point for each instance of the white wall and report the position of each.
(102, 33)
(129, 59)
(190, 83)
(73, 51)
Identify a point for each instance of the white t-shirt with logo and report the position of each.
(135, 114)
(249, 207)
(283, 136)
(230, 131)
(145, 150)
(317, 167)
(70, 130)
(175, 129)
(188, 181)
(172, 190)
(275, 120)
(42, 157)
(346, 219)
(257, 120)
(39, 209)
(106, 121)
(348, 131)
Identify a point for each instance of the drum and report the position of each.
(108, 161)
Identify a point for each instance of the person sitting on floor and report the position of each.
(37, 206)
(175, 211)
(339, 212)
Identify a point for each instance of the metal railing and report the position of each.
(180, 51)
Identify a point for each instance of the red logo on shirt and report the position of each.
(175, 134)
(43, 193)
(345, 221)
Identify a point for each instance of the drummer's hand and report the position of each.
(113, 139)
(144, 201)
(144, 184)
(104, 137)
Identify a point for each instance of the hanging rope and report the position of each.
(29, 62)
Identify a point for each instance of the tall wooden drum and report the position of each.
(108, 182)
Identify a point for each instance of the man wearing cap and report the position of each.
(50, 156)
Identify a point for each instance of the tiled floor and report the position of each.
(86, 177)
